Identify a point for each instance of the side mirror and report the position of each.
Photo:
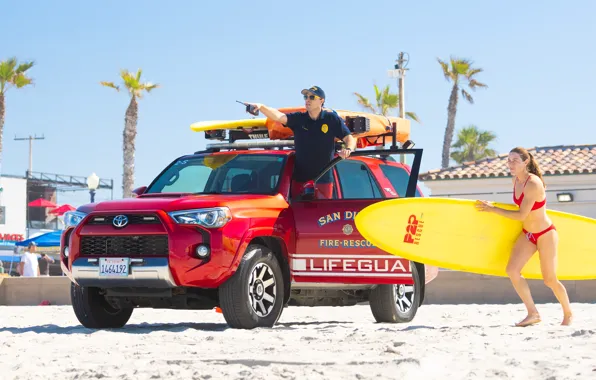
(139, 191)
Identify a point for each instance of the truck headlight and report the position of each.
(207, 217)
(72, 218)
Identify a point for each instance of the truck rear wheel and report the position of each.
(254, 295)
(396, 303)
(93, 311)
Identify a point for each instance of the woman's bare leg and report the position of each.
(520, 254)
(547, 247)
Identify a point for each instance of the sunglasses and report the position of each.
(311, 97)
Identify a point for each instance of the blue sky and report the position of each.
(538, 62)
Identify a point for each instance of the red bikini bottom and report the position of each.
(533, 237)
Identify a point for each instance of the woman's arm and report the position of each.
(531, 193)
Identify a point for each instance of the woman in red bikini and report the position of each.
(538, 234)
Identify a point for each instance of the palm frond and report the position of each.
(110, 84)
(474, 83)
(460, 66)
(378, 96)
(24, 67)
(490, 152)
(364, 102)
(446, 71)
(150, 86)
(473, 72)
(21, 80)
(413, 116)
(139, 75)
(6, 70)
(467, 96)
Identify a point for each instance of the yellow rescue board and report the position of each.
(450, 233)
(212, 125)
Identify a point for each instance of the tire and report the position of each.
(93, 311)
(396, 303)
(254, 295)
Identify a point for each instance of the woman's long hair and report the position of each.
(532, 164)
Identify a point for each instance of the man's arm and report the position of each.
(21, 268)
(346, 136)
(271, 113)
(350, 142)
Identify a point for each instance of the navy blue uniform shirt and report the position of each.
(315, 142)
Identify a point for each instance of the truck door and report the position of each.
(329, 248)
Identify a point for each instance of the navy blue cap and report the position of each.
(315, 90)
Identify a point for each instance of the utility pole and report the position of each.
(30, 138)
(400, 72)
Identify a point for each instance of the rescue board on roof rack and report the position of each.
(368, 128)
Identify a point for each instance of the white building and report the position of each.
(569, 172)
(13, 211)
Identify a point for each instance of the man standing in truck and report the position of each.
(315, 131)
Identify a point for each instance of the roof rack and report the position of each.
(279, 144)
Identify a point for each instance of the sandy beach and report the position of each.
(443, 342)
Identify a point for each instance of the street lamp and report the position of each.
(92, 184)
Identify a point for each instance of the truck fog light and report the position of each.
(203, 251)
(66, 252)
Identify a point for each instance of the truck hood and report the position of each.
(169, 203)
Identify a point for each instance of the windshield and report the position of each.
(221, 174)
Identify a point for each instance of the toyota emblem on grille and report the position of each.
(120, 221)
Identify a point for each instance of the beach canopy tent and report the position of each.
(49, 239)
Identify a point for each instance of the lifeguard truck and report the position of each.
(219, 229)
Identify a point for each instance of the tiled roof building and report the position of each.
(553, 160)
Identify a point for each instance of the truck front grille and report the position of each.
(131, 245)
(132, 219)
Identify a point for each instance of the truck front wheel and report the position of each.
(254, 295)
(93, 311)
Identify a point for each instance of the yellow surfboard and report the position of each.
(451, 233)
(212, 125)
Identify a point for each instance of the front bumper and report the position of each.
(154, 264)
(151, 272)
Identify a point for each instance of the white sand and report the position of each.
(443, 342)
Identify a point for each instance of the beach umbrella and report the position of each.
(62, 209)
(40, 202)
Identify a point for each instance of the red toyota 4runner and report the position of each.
(218, 228)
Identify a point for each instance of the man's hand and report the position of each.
(271, 113)
(344, 153)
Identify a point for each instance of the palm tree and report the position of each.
(472, 145)
(456, 71)
(385, 101)
(132, 83)
(12, 74)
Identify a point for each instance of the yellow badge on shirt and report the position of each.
(324, 128)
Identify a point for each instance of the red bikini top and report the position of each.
(518, 202)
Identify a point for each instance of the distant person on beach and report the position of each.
(44, 264)
(29, 266)
(539, 233)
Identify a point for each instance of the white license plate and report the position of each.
(113, 267)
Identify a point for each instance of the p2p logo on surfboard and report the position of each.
(413, 230)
